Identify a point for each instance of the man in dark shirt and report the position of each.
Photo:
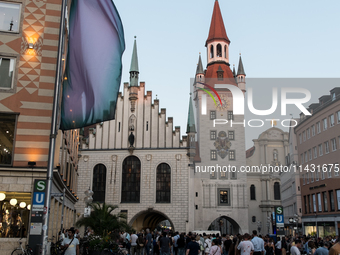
(227, 244)
(193, 247)
(187, 240)
(164, 244)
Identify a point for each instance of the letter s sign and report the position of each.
(279, 210)
(40, 185)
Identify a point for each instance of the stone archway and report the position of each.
(148, 219)
(225, 225)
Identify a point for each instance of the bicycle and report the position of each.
(21, 251)
(55, 247)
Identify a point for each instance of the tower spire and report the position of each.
(217, 29)
(134, 71)
(191, 119)
(199, 69)
(240, 70)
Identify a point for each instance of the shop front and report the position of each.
(14, 217)
(324, 229)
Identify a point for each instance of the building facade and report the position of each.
(220, 192)
(290, 186)
(29, 32)
(264, 188)
(318, 149)
(138, 161)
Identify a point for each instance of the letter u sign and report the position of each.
(38, 198)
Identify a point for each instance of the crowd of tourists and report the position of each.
(167, 243)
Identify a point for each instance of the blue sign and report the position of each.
(38, 199)
(279, 219)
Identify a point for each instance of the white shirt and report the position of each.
(278, 245)
(134, 238)
(245, 247)
(294, 250)
(72, 248)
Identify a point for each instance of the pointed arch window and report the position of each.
(211, 51)
(277, 195)
(131, 180)
(99, 183)
(219, 50)
(163, 183)
(252, 192)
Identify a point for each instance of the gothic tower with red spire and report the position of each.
(220, 188)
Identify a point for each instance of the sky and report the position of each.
(277, 39)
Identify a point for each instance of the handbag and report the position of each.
(63, 252)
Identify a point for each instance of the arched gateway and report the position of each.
(148, 219)
(225, 225)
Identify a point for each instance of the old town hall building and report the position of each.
(140, 162)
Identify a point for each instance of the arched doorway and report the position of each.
(225, 225)
(149, 219)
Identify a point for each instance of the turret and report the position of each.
(241, 75)
(191, 131)
(134, 71)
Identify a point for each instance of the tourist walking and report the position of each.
(246, 247)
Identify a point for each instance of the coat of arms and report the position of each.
(222, 144)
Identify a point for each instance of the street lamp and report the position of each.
(88, 200)
(259, 226)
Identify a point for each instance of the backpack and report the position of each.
(140, 242)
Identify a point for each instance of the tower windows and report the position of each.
(219, 50)
(212, 135)
(230, 115)
(231, 135)
(213, 155)
(212, 115)
(99, 183)
(224, 197)
(232, 155)
(211, 51)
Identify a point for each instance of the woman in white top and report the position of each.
(215, 248)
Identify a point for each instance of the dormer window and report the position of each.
(220, 73)
(333, 96)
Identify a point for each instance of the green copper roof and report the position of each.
(134, 59)
(240, 70)
(199, 69)
(191, 119)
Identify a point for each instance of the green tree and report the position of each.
(103, 221)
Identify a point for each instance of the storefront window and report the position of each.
(14, 214)
(7, 128)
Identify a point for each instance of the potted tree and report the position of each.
(106, 227)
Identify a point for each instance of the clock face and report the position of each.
(225, 103)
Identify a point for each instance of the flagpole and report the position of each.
(54, 131)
